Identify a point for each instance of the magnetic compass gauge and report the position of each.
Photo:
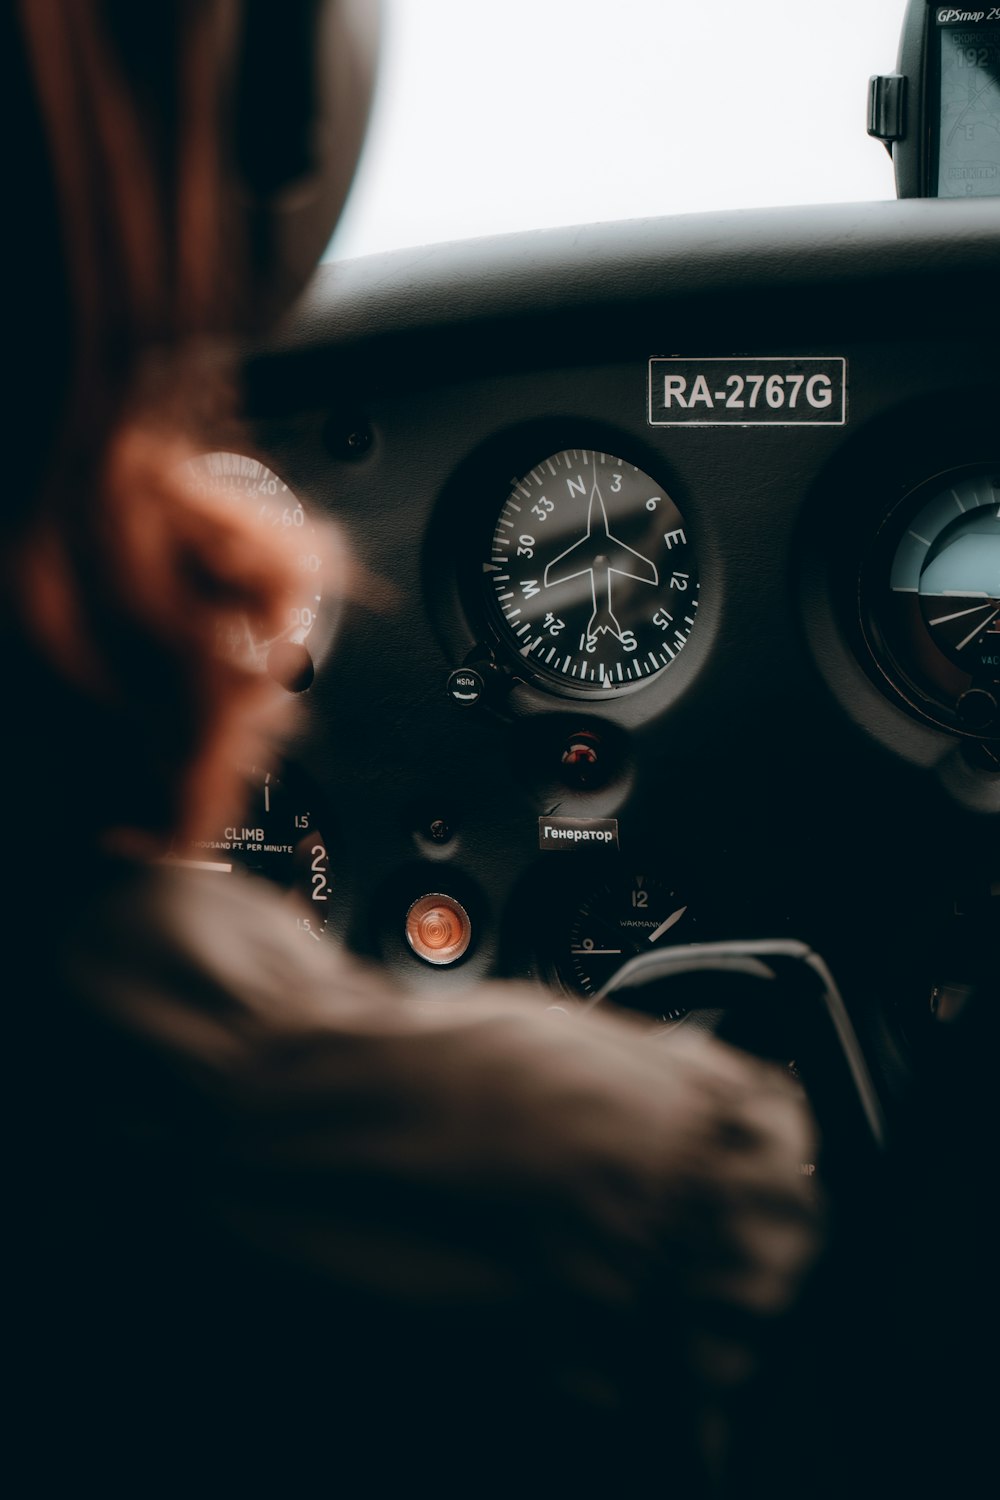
(935, 630)
(591, 578)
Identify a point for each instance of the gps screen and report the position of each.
(969, 120)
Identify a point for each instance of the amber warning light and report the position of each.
(438, 929)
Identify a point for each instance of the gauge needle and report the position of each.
(666, 925)
(972, 610)
(976, 629)
(216, 866)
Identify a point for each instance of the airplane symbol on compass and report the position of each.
(600, 554)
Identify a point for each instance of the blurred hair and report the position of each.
(122, 583)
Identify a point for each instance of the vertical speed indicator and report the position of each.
(279, 837)
(591, 578)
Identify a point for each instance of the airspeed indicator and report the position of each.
(591, 578)
(250, 485)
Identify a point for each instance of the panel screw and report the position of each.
(976, 709)
(349, 440)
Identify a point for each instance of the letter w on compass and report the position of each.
(599, 554)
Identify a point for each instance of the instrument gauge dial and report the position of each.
(616, 920)
(250, 484)
(931, 601)
(591, 578)
(280, 837)
(959, 587)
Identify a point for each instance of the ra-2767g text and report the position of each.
(744, 392)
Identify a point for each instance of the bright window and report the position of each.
(532, 113)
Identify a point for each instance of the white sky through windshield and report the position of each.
(532, 113)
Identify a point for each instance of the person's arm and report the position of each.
(562, 1211)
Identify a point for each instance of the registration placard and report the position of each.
(743, 392)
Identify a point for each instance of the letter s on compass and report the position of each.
(594, 543)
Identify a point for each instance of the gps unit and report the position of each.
(939, 113)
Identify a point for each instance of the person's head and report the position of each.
(177, 170)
